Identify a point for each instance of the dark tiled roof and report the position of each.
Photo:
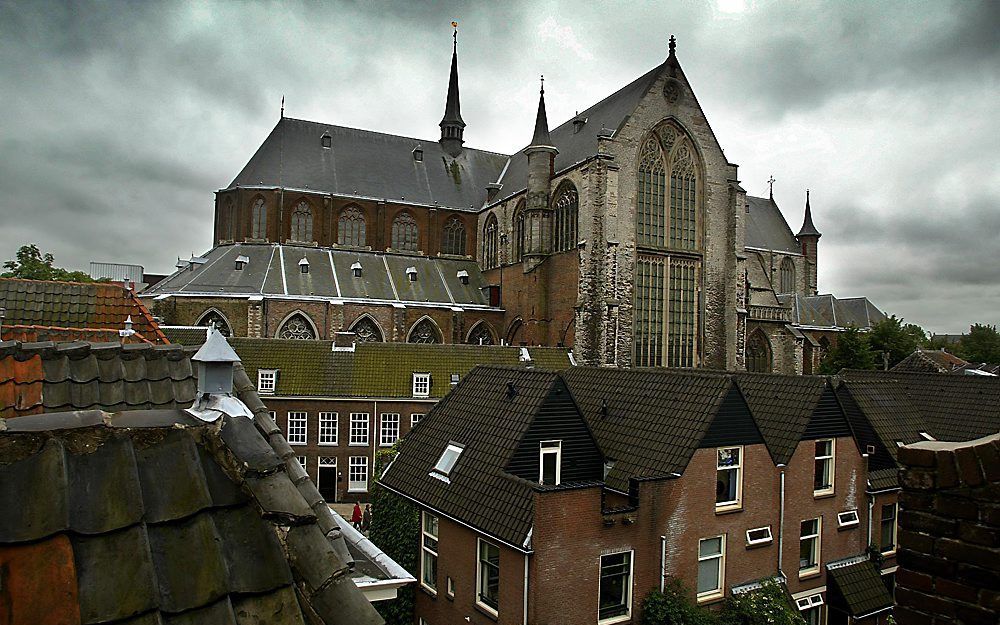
(782, 406)
(191, 336)
(827, 311)
(481, 415)
(367, 164)
(930, 361)
(767, 228)
(52, 310)
(860, 587)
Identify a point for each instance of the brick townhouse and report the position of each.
(596, 484)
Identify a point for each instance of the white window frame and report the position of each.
(715, 593)
(421, 384)
(303, 461)
(812, 602)
(830, 464)
(359, 436)
(814, 569)
(426, 551)
(753, 542)
(735, 504)
(628, 594)
(353, 485)
(444, 467)
(479, 576)
(328, 436)
(450, 586)
(267, 381)
(550, 448)
(326, 462)
(384, 441)
(895, 528)
(415, 418)
(848, 518)
(294, 437)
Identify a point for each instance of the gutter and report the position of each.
(400, 576)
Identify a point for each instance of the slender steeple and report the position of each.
(452, 126)
(808, 229)
(541, 135)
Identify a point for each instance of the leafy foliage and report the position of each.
(674, 607)
(769, 605)
(899, 339)
(981, 344)
(31, 264)
(395, 529)
(852, 351)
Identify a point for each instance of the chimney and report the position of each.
(215, 365)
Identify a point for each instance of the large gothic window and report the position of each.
(297, 327)
(758, 353)
(213, 318)
(650, 217)
(787, 276)
(302, 223)
(481, 335)
(491, 243)
(405, 233)
(518, 232)
(351, 227)
(424, 332)
(367, 331)
(454, 237)
(567, 206)
(666, 312)
(258, 219)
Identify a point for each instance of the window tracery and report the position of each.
(405, 233)
(367, 331)
(491, 239)
(351, 227)
(298, 328)
(302, 223)
(424, 332)
(567, 208)
(481, 335)
(454, 237)
(258, 219)
(759, 353)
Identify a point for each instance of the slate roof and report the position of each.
(767, 229)
(827, 311)
(930, 361)
(782, 406)
(42, 310)
(366, 164)
(858, 587)
(273, 270)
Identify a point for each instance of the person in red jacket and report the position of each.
(356, 516)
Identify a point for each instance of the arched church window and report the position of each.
(228, 221)
(758, 353)
(367, 331)
(518, 251)
(405, 233)
(491, 247)
(424, 332)
(214, 318)
(454, 237)
(683, 216)
(481, 334)
(567, 206)
(787, 276)
(297, 327)
(258, 219)
(302, 223)
(650, 218)
(351, 227)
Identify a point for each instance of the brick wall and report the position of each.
(949, 535)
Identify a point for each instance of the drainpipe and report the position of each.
(663, 561)
(870, 497)
(525, 622)
(376, 423)
(781, 518)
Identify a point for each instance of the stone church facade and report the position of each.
(623, 233)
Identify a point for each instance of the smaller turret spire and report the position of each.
(541, 135)
(452, 126)
(673, 45)
(808, 229)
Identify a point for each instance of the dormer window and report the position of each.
(327, 141)
(304, 266)
(411, 274)
(463, 276)
(550, 463)
(241, 262)
(266, 381)
(418, 154)
(447, 461)
(421, 385)
(454, 379)
(356, 268)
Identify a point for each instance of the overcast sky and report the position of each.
(121, 120)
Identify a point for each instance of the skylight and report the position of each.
(448, 459)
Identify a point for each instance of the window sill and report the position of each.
(296, 443)
(711, 598)
(432, 593)
(888, 554)
(357, 444)
(822, 494)
(386, 444)
(728, 508)
(809, 573)
(758, 545)
(328, 444)
(487, 610)
(615, 619)
(358, 490)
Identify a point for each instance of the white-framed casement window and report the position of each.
(357, 477)
(488, 579)
(421, 385)
(711, 567)
(328, 428)
(729, 478)
(823, 475)
(450, 587)
(326, 477)
(550, 463)
(847, 518)
(389, 432)
(615, 594)
(811, 609)
(298, 423)
(301, 460)
(887, 536)
(359, 429)
(416, 418)
(759, 536)
(267, 380)
(810, 546)
(429, 552)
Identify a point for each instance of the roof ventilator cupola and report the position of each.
(463, 276)
(241, 262)
(418, 154)
(304, 265)
(326, 141)
(411, 273)
(356, 268)
(215, 362)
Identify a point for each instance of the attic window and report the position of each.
(304, 266)
(454, 379)
(411, 273)
(418, 154)
(447, 461)
(463, 276)
(241, 262)
(356, 268)
(848, 518)
(549, 463)
(327, 141)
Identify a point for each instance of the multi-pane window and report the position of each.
(666, 312)
(415, 418)
(351, 227)
(567, 206)
(758, 353)
(491, 243)
(518, 251)
(728, 477)
(359, 428)
(711, 566)
(615, 595)
(488, 580)
(811, 609)
(328, 428)
(297, 424)
(887, 542)
(823, 473)
(454, 237)
(429, 551)
(258, 219)
(405, 233)
(302, 223)
(301, 460)
(421, 384)
(326, 477)
(358, 474)
(389, 432)
(266, 381)
(787, 278)
(809, 546)
(230, 220)
(650, 214)
(683, 216)
(549, 462)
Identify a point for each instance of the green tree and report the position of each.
(981, 344)
(852, 351)
(767, 605)
(893, 336)
(395, 529)
(673, 606)
(31, 264)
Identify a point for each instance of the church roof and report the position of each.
(367, 164)
(827, 311)
(273, 270)
(767, 228)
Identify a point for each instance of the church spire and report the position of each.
(808, 229)
(541, 135)
(452, 126)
